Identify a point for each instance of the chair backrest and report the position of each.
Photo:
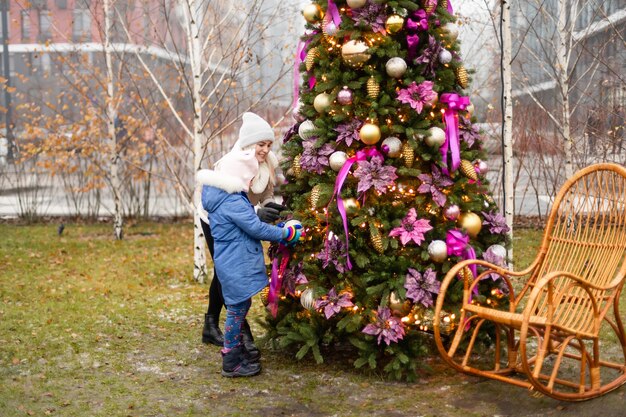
(586, 236)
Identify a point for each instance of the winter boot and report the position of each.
(211, 332)
(234, 364)
(252, 352)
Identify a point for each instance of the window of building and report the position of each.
(81, 26)
(45, 24)
(25, 23)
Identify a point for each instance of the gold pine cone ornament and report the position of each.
(376, 240)
(467, 168)
(462, 77)
(373, 88)
(408, 154)
(311, 57)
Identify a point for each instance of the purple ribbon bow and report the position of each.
(361, 155)
(458, 245)
(455, 103)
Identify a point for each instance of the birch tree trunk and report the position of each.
(111, 115)
(195, 49)
(507, 125)
(562, 57)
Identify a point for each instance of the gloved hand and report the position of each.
(268, 214)
(292, 234)
(276, 206)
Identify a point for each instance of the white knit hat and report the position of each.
(253, 130)
(239, 166)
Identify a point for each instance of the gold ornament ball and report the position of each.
(351, 205)
(369, 134)
(354, 53)
(307, 300)
(312, 13)
(356, 4)
(470, 222)
(394, 23)
(322, 102)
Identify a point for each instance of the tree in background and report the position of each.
(384, 169)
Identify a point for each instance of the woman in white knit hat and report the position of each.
(255, 134)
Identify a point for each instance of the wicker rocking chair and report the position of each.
(561, 333)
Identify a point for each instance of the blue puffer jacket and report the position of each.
(237, 232)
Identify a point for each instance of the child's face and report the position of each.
(262, 149)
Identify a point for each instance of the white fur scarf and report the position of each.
(266, 173)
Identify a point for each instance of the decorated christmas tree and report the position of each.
(385, 171)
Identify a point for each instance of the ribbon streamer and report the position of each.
(361, 155)
(300, 56)
(277, 278)
(418, 21)
(332, 10)
(455, 103)
(458, 245)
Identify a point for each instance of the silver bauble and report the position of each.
(330, 28)
(452, 30)
(481, 166)
(436, 138)
(295, 113)
(337, 160)
(452, 212)
(445, 57)
(306, 129)
(438, 250)
(498, 250)
(345, 96)
(307, 300)
(356, 4)
(392, 146)
(396, 67)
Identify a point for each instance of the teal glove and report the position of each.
(292, 234)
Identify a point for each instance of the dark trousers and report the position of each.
(216, 299)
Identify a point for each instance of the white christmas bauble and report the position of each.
(481, 166)
(307, 300)
(331, 29)
(392, 146)
(295, 113)
(445, 57)
(438, 250)
(396, 67)
(337, 160)
(470, 109)
(356, 4)
(306, 128)
(452, 30)
(498, 250)
(436, 138)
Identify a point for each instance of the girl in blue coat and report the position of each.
(239, 262)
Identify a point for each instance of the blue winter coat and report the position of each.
(237, 232)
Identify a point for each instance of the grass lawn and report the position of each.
(94, 327)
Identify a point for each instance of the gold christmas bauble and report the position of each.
(408, 154)
(397, 306)
(311, 57)
(373, 88)
(369, 134)
(314, 197)
(470, 222)
(356, 4)
(295, 166)
(312, 13)
(467, 168)
(322, 102)
(354, 53)
(307, 300)
(394, 23)
(377, 241)
(265, 292)
(351, 205)
(462, 77)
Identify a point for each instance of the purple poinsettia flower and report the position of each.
(387, 327)
(374, 174)
(421, 287)
(312, 159)
(372, 15)
(349, 131)
(469, 132)
(430, 57)
(334, 252)
(496, 222)
(293, 277)
(333, 303)
(432, 184)
(411, 229)
(417, 95)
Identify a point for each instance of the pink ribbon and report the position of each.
(418, 21)
(277, 278)
(458, 245)
(455, 103)
(361, 155)
(334, 12)
(450, 7)
(300, 55)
